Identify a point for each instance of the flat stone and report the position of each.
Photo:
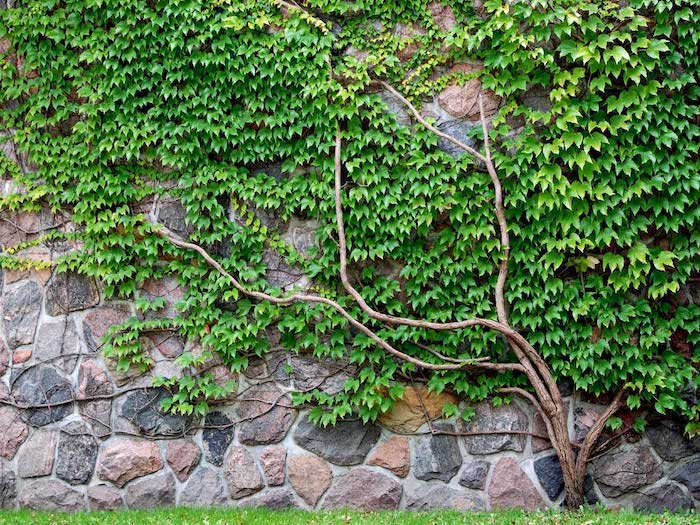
(52, 495)
(549, 474)
(688, 474)
(21, 305)
(474, 474)
(265, 415)
(217, 440)
(56, 339)
(436, 498)
(37, 455)
(76, 454)
(104, 497)
(345, 443)
(170, 346)
(364, 489)
(539, 427)
(205, 488)
(124, 459)
(21, 355)
(664, 498)
(154, 492)
(273, 499)
(242, 473)
(310, 477)
(669, 440)
(511, 488)
(459, 130)
(415, 407)
(98, 415)
(70, 292)
(172, 214)
(625, 470)
(14, 432)
(304, 372)
(142, 409)
(392, 454)
(93, 380)
(8, 486)
(43, 385)
(301, 234)
(273, 461)
(437, 456)
(489, 418)
(98, 321)
(183, 456)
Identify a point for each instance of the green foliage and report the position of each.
(235, 102)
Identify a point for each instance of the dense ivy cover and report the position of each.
(120, 101)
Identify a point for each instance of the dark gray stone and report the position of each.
(172, 214)
(345, 443)
(474, 474)
(489, 418)
(458, 130)
(436, 498)
(153, 492)
(69, 292)
(395, 107)
(98, 414)
(8, 486)
(142, 409)
(217, 440)
(76, 454)
(56, 339)
(43, 385)
(626, 470)
(364, 489)
(667, 497)
(205, 488)
(273, 499)
(537, 98)
(21, 307)
(688, 474)
(589, 494)
(549, 473)
(306, 372)
(668, 439)
(265, 416)
(437, 456)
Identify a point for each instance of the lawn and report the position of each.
(266, 517)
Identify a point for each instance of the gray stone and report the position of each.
(43, 385)
(8, 486)
(56, 339)
(364, 489)
(474, 474)
(98, 321)
(242, 473)
(435, 498)
(459, 130)
(309, 373)
(217, 440)
(501, 418)
(104, 497)
(265, 416)
(173, 214)
(76, 454)
(688, 474)
(345, 443)
(667, 497)
(273, 499)
(142, 408)
(21, 307)
(50, 494)
(37, 455)
(549, 474)
(668, 439)
(93, 380)
(4, 357)
(537, 98)
(396, 108)
(205, 488)
(98, 414)
(69, 292)
(153, 492)
(625, 470)
(437, 456)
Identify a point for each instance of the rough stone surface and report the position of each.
(539, 427)
(217, 440)
(93, 380)
(56, 339)
(76, 454)
(98, 413)
(584, 418)
(549, 474)
(43, 385)
(669, 442)
(172, 214)
(124, 459)
(205, 488)
(462, 101)
(104, 497)
(443, 16)
(21, 355)
(242, 473)
(688, 474)
(511, 488)
(69, 292)
(409, 413)
(156, 491)
(4, 357)
(396, 108)
(474, 474)
(444, 498)
(267, 416)
(489, 418)
(183, 456)
(21, 306)
(437, 456)
(50, 494)
(273, 461)
(98, 320)
(310, 476)
(142, 409)
(667, 497)
(14, 432)
(8, 486)
(351, 491)
(459, 130)
(392, 454)
(626, 469)
(346, 443)
(36, 457)
(307, 372)
(274, 499)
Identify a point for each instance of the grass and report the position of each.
(182, 516)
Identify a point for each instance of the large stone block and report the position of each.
(437, 456)
(14, 432)
(183, 456)
(364, 489)
(124, 459)
(44, 387)
(50, 494)
(265, 415)
(8, 486)
(69, 292)
(55, 339)
(217, 436)
(414, 409)
(669, 440)
(37, 455)
(310, 476)
(689, 474)
(142, 409)
(273, 461)
(273, 499)
(664, 498)
(98, 321)
(76, 454)
(511, 488)
(104, 497)
(156, 491)
(625, 470)
(242, 473)
(393, 454)
(205, 488)
(549, 474)
(21, 305)
(474, 474)
(435, 498)
(502, 418)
